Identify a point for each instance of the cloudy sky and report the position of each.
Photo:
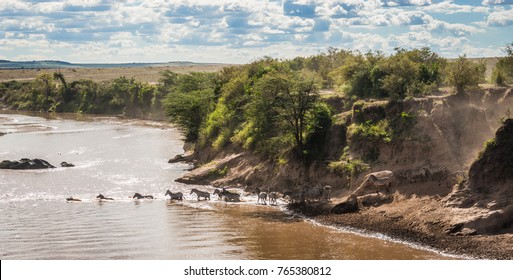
(242, 31)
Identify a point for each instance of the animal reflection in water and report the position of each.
(227, 196)
(139, 196)
(200, 194)
(102, 197)
(174, 196)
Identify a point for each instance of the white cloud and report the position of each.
(13, 5)
(455, 29)
(394, 3)
(500, 18)
(229, 30)
(449, 7)
(497, 2)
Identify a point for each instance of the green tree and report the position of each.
(188, 102)
(295, 95)
(188, 110)
(463, 73)
(65, 92)
(43, 85)
(503, 72)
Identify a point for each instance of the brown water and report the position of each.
(120, 157)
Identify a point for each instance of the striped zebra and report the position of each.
(461, 175)
(381, 182)
(376, 181)
(273, 196)
(439, 173)
(419, 175)
(326, 193)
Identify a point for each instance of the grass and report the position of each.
(140, 74)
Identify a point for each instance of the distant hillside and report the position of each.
(55, 64)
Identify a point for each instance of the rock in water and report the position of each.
(26, 163)
(67, 164)
(177, 158)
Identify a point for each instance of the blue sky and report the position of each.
(241, 31)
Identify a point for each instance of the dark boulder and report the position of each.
(26, 163)
(177, 158)
(348, 206)
(375, 199)
(67, 164)
(495, 164)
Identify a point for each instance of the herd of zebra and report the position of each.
(312, 194)
(428, 172)
(316, 193)
(383, 180)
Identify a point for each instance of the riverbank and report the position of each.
(425, 220)
(421, 221)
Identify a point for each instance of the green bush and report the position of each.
(370, 132)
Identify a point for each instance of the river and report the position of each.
(118, 157)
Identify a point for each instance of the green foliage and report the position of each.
(53, 93)
(188, 100)
(373, 75)
(463, 73)
(348, 166)
(218, 172)
(487, 146)
(503, 72)
(401, 126)
(319, 123)
(188, 110)
(370, 132)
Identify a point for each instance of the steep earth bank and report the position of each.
(429, 143)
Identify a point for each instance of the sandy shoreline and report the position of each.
(426, 233)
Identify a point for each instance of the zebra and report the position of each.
(419, 175)
(262, 196)
(228, 196)
(102, 197)
(381, 179)
(273, 196)
(139, 196)
(439, 173)
(380, 182)
(199, 193)
(314, 193)
(326, 193)
(460, 175)
(295, 196)
(174, 196)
